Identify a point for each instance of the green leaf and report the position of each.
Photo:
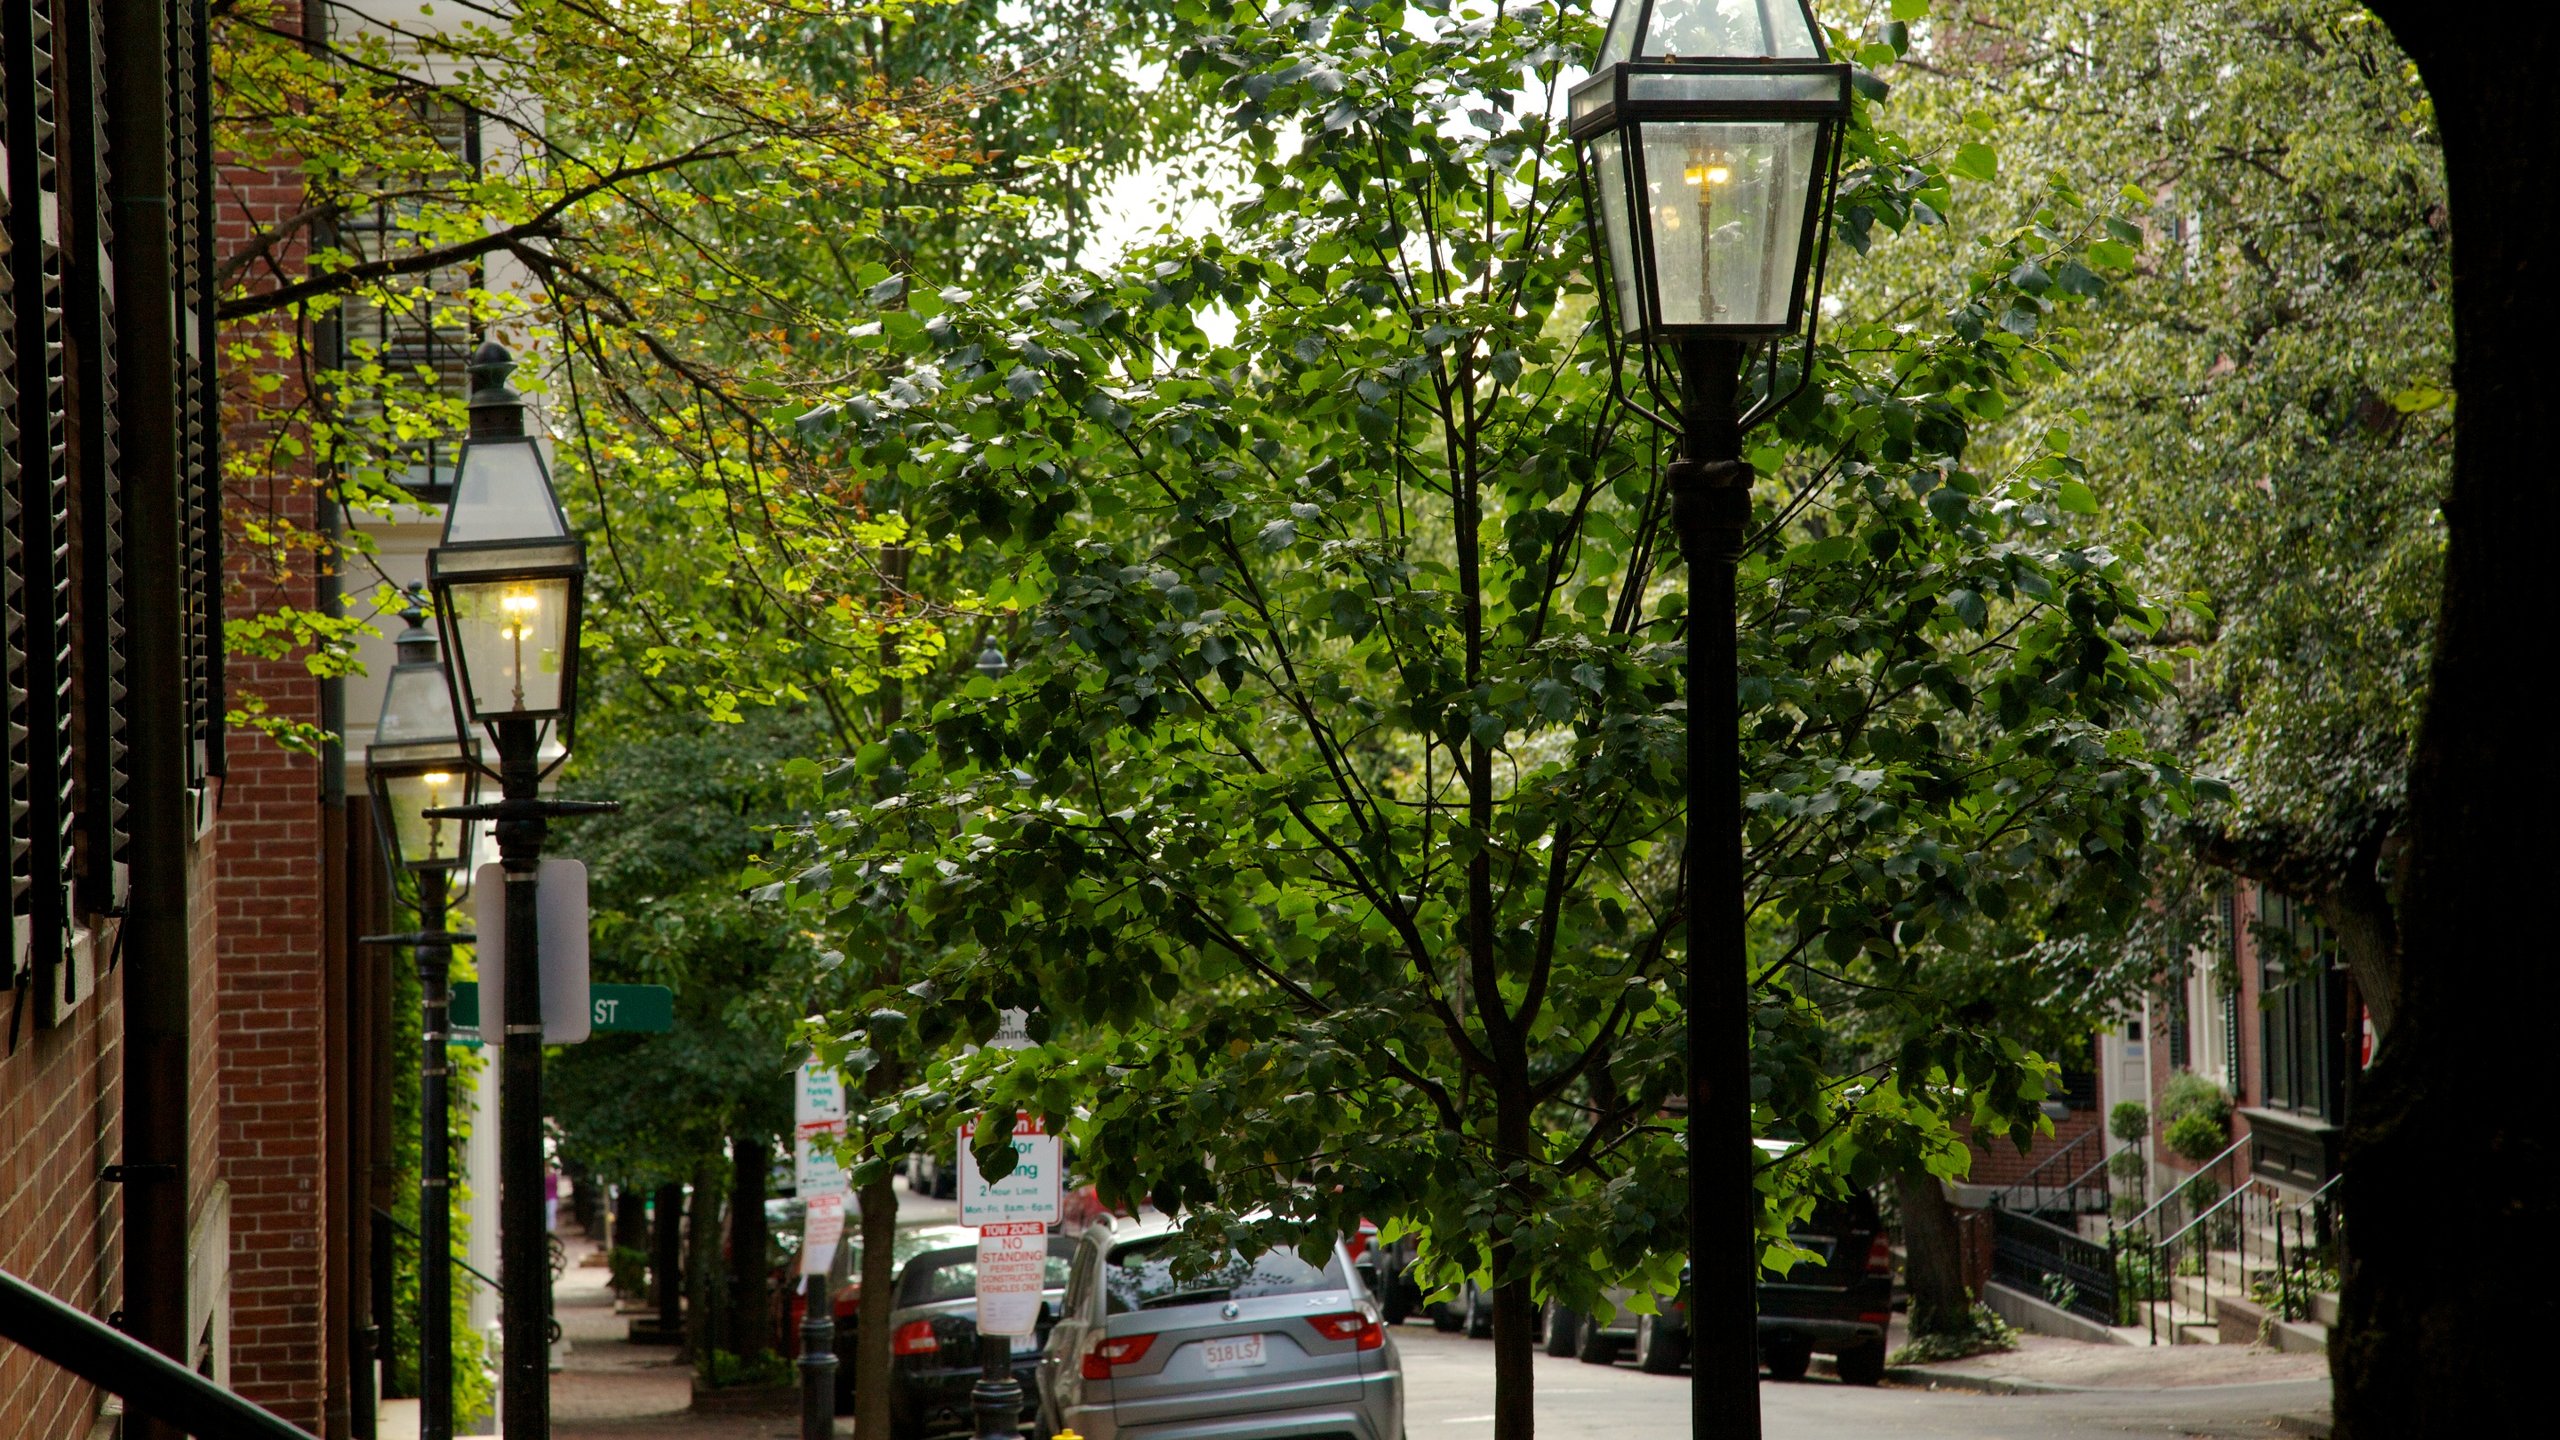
(1975, 160)
(1910, 9)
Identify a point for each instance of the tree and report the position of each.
(2420, 1350)
(2275, 384)
(1328, 818)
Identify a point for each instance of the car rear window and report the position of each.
(931, 1279)
(1141, 1275)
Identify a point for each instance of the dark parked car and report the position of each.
(933, 1338)
(844, 1283)
(1837, 1305)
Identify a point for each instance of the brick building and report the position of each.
(2268, 1013)
(112, 1194)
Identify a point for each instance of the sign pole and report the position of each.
(1013, 1216)
(818, 1113)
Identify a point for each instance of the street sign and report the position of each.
(1030, 1193)
(1012, 1258)
(560, 889)
(818, 1115)
(612, 1009)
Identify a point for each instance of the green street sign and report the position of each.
(624, 1009)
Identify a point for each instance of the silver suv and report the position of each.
(1274, 1349)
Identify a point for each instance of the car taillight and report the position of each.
(1880, 1256)
(1114, 1350)
(1351, 1325)
(916, 1337)
(849, 1301)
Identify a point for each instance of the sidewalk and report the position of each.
(2047, 1363)
(604, 1376)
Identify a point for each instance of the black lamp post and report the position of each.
(418, 765)
(508, 578)
(1708, 136)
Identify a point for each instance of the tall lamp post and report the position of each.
(508, 578)
(1708, 141)
(418, 765)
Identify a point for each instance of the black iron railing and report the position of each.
(2071, 1271)
(148, 1381)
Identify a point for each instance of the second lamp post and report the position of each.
(419, 765)
(1708, 134)
(508, 579)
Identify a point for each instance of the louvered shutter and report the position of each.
(102, 792)
(199, 417)
(21, 872)
(42, 762)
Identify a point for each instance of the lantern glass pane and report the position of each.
(503, 493)
(1711, 30)
(417, 709)
(511, 637)
(1725, 210)
(1619, 43)
(1617, 225)
(425, 843)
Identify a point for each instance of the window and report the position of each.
(62, 506)
(1144, 1274)
(2301, 1060)
(410, 332)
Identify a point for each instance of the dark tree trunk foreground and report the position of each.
(706, 1326)
(1933, 1256)
(879, 1202)
(750, 1307)
(2449, 1159)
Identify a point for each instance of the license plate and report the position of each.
(1235, 1352)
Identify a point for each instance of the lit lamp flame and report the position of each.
(519, 606)
(437, 783)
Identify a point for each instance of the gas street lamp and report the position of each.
(416, 767)
(508, 578)
(1708, 137)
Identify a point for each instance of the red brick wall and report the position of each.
(1996, 1161)
(275, 1031)
(59, 1224)
(278, 1030)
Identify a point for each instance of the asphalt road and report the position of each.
(1449, 1396)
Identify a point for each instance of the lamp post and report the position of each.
(418, 764)
(1707, 136)
(508, 578)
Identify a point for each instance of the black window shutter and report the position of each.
(41, 528)
(96, 489)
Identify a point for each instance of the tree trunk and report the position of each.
(2358, 911)
(630, 1219)
(666, 1249)
(2446, 1130)
(1933, 1256)
(750, 1311)
(1515, 1318)
(871, 1336)
(706, 1323)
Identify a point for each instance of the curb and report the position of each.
(1928, 1379)
(2316, 1426)
(1922, 1377)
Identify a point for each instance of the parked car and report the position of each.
(934, 1176)
(1837, 1305)
(933, 1337)
(1273, 1346)
(844, 1286)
